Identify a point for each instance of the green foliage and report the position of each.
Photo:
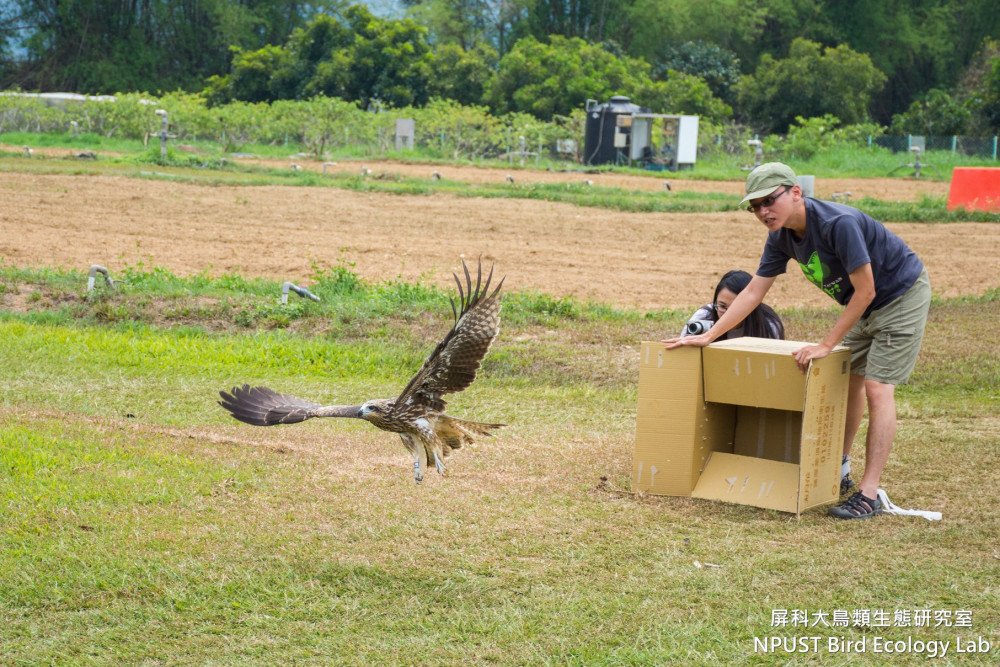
(356, 56)
(919, 45)
(979, 89)
(460, 75)
(157, 278)
(323, 123)
(811, 82)
(265, 50)
(27, 114)
(389, 62)
(339, 280)
(545, 79)
(459, 131)
(537, 308)
(805, 138)
(555, 78)
(660, 28)
(937, 113)
(252, 76)
(683, 94)
(718, 67)
(269, 314)
(99, 46)
(990, 107)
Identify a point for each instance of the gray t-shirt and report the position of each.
(838, 240)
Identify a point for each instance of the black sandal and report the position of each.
(858, 506)
(846, 484)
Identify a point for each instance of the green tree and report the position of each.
(989, 109)
(389, 61)
(104, 46)
(741, 27)
(716, 66)
(591, 20)
(918, 44)
(356, 57)
(461, 75)
(979, 91)
(318, 62)
(555, 78)
(252, 79)
(682, 93)
(472, 24)
(811, 82)
(936, 113)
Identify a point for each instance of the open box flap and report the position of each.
(747, 480)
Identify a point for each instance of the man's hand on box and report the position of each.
(806, 354)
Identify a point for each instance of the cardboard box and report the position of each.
(737, 421)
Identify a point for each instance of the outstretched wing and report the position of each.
(262, 406)
(452, 365)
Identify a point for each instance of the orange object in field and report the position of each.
(975, 188)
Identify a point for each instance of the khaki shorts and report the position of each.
(884, 345)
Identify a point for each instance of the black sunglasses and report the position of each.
(767, 201)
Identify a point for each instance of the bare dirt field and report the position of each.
(892, 189)
(647, 261)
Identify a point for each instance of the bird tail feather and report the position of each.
(457, 432)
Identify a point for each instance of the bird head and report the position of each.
(374, 411)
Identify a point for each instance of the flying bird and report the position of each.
(417, 414)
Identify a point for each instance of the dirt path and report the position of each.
(642, 260)
(898, 189)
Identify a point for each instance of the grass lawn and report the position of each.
(143, 526)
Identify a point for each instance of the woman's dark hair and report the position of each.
(757, 322)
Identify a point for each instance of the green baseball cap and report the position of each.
(767, 178)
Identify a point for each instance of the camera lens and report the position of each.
(698, 327)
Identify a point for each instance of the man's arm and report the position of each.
(744, 303)
(864, 293)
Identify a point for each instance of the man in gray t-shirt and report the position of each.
(885, 292)
(839, 239)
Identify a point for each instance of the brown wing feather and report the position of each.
(453, 364)
(262, 406)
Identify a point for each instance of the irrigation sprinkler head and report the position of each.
(92, 276)
(301, 291)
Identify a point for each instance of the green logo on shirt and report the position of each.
(817, 272)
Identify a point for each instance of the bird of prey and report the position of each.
(417, 414)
